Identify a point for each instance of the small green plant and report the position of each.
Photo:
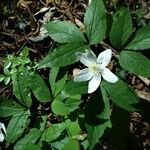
(82, 123)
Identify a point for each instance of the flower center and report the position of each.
(96, 70)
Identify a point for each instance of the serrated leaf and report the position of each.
(74, 88)
(135, 63)
(57, 79)
(95, 22)
(60, 85)
(9, 108)
(59, 108)
(141, 39)
(122, 95)
(31, 146)
(96, 132)
(39, 88)
(52, 78)
(59, 143)
(72, 145)
(73, 128)
(31, 137)
(64, 32)
(17, 126)
(72, 103)
(21, 89)
(121, 28)
(53, 132)
(98, 107)
(65, 53)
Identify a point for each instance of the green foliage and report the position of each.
(12, 64)
(135, 63)
(141, 39)
(72, 144)
(48, 110)
(53, 132)
(125, 98)
(64, 32)
(99, 108)
(121, 28)
(74, 88)
(21, 89)
(39, 88)
(57, 80)
(61, 106)
(65, 53)
(95, 22)
(31, 137)
(32, 146)
(9, 108)
(17, 125)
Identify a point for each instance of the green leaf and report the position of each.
(9, 108)
(73, 128)
(17, 125)
(121, 28)
(21, 89)
(64, 32)
(59, 108)
(141, 39)
(105, 114)
(25, 52)
(72, 103)
(7, 64)
(72, 145)
(65, 53)
(125, 98)
(135, 63)
(96, 132)
(53, 132)
(98, 107)
(59, 143)
(95, 22)
(72, 88)
(2, 77)
(7, 80)
(57, 79)
(31, 146)
(39, 88)
(52, 78)
(31, 137)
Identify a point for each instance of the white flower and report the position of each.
(96, 69)
(2, 126)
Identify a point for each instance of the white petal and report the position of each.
(109, 76)
(2, 126)
(94, 84)
(1, 137)
(87, 58)
(83, 75)
(104, 57)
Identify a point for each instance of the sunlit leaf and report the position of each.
(63, 55)
(135, 63)
(64, 32)
(95, 22)
(121, 28)
(141, 39)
